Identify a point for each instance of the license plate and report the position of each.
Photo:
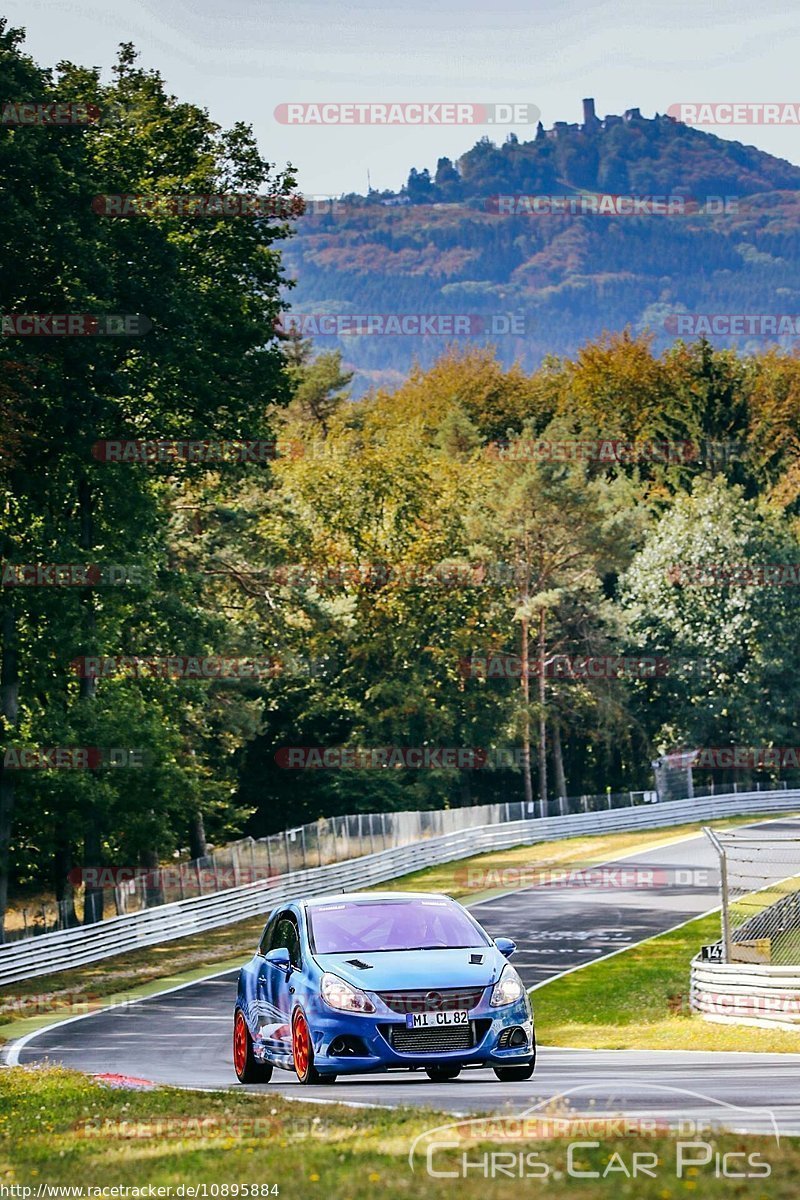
(459, 1016)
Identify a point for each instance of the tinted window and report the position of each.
(391, 925)
(266, 936)
(286, 934)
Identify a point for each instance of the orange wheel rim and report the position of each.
(239, 1044)
(301, 1046)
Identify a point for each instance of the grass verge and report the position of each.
(61, 1129)
(639, 999)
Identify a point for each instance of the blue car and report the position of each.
(380, 981)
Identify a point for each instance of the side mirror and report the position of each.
(279, 958)
(505, 946)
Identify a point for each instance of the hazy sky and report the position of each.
(241, 58)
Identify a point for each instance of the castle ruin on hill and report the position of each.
(591, 122)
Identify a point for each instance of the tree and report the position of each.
(210, 368)
(556, 532)
(730, 642)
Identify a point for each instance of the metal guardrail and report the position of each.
(328, 840)
(64, 949)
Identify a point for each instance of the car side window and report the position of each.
(286, 934)
(266, 937)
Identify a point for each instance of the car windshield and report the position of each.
(365, 927)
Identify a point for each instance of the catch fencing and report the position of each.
(760, 895)
(317, 844)
(63, 949)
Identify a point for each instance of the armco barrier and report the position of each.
(63, 949)
(747, 994)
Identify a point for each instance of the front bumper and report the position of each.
(350, 1043)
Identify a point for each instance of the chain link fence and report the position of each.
(328, 840)
(760, 892)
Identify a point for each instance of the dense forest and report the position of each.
(418, 568)
(446, 244)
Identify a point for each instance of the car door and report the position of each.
(277, 989)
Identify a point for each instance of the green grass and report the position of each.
(60, 1128)
(639, 999)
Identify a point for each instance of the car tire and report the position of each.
(515, 1074)
(247, 1067)
(442, 1074)
(303, 1052)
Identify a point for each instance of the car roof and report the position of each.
(373, 897)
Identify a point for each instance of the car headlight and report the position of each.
(338, 993)
(508, 988)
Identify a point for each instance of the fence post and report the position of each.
(303, 845)
(724, 892)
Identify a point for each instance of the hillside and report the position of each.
(442, 246)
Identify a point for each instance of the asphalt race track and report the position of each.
(184, 1037)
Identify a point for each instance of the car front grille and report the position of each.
(436, 1040)
(432, 1000)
